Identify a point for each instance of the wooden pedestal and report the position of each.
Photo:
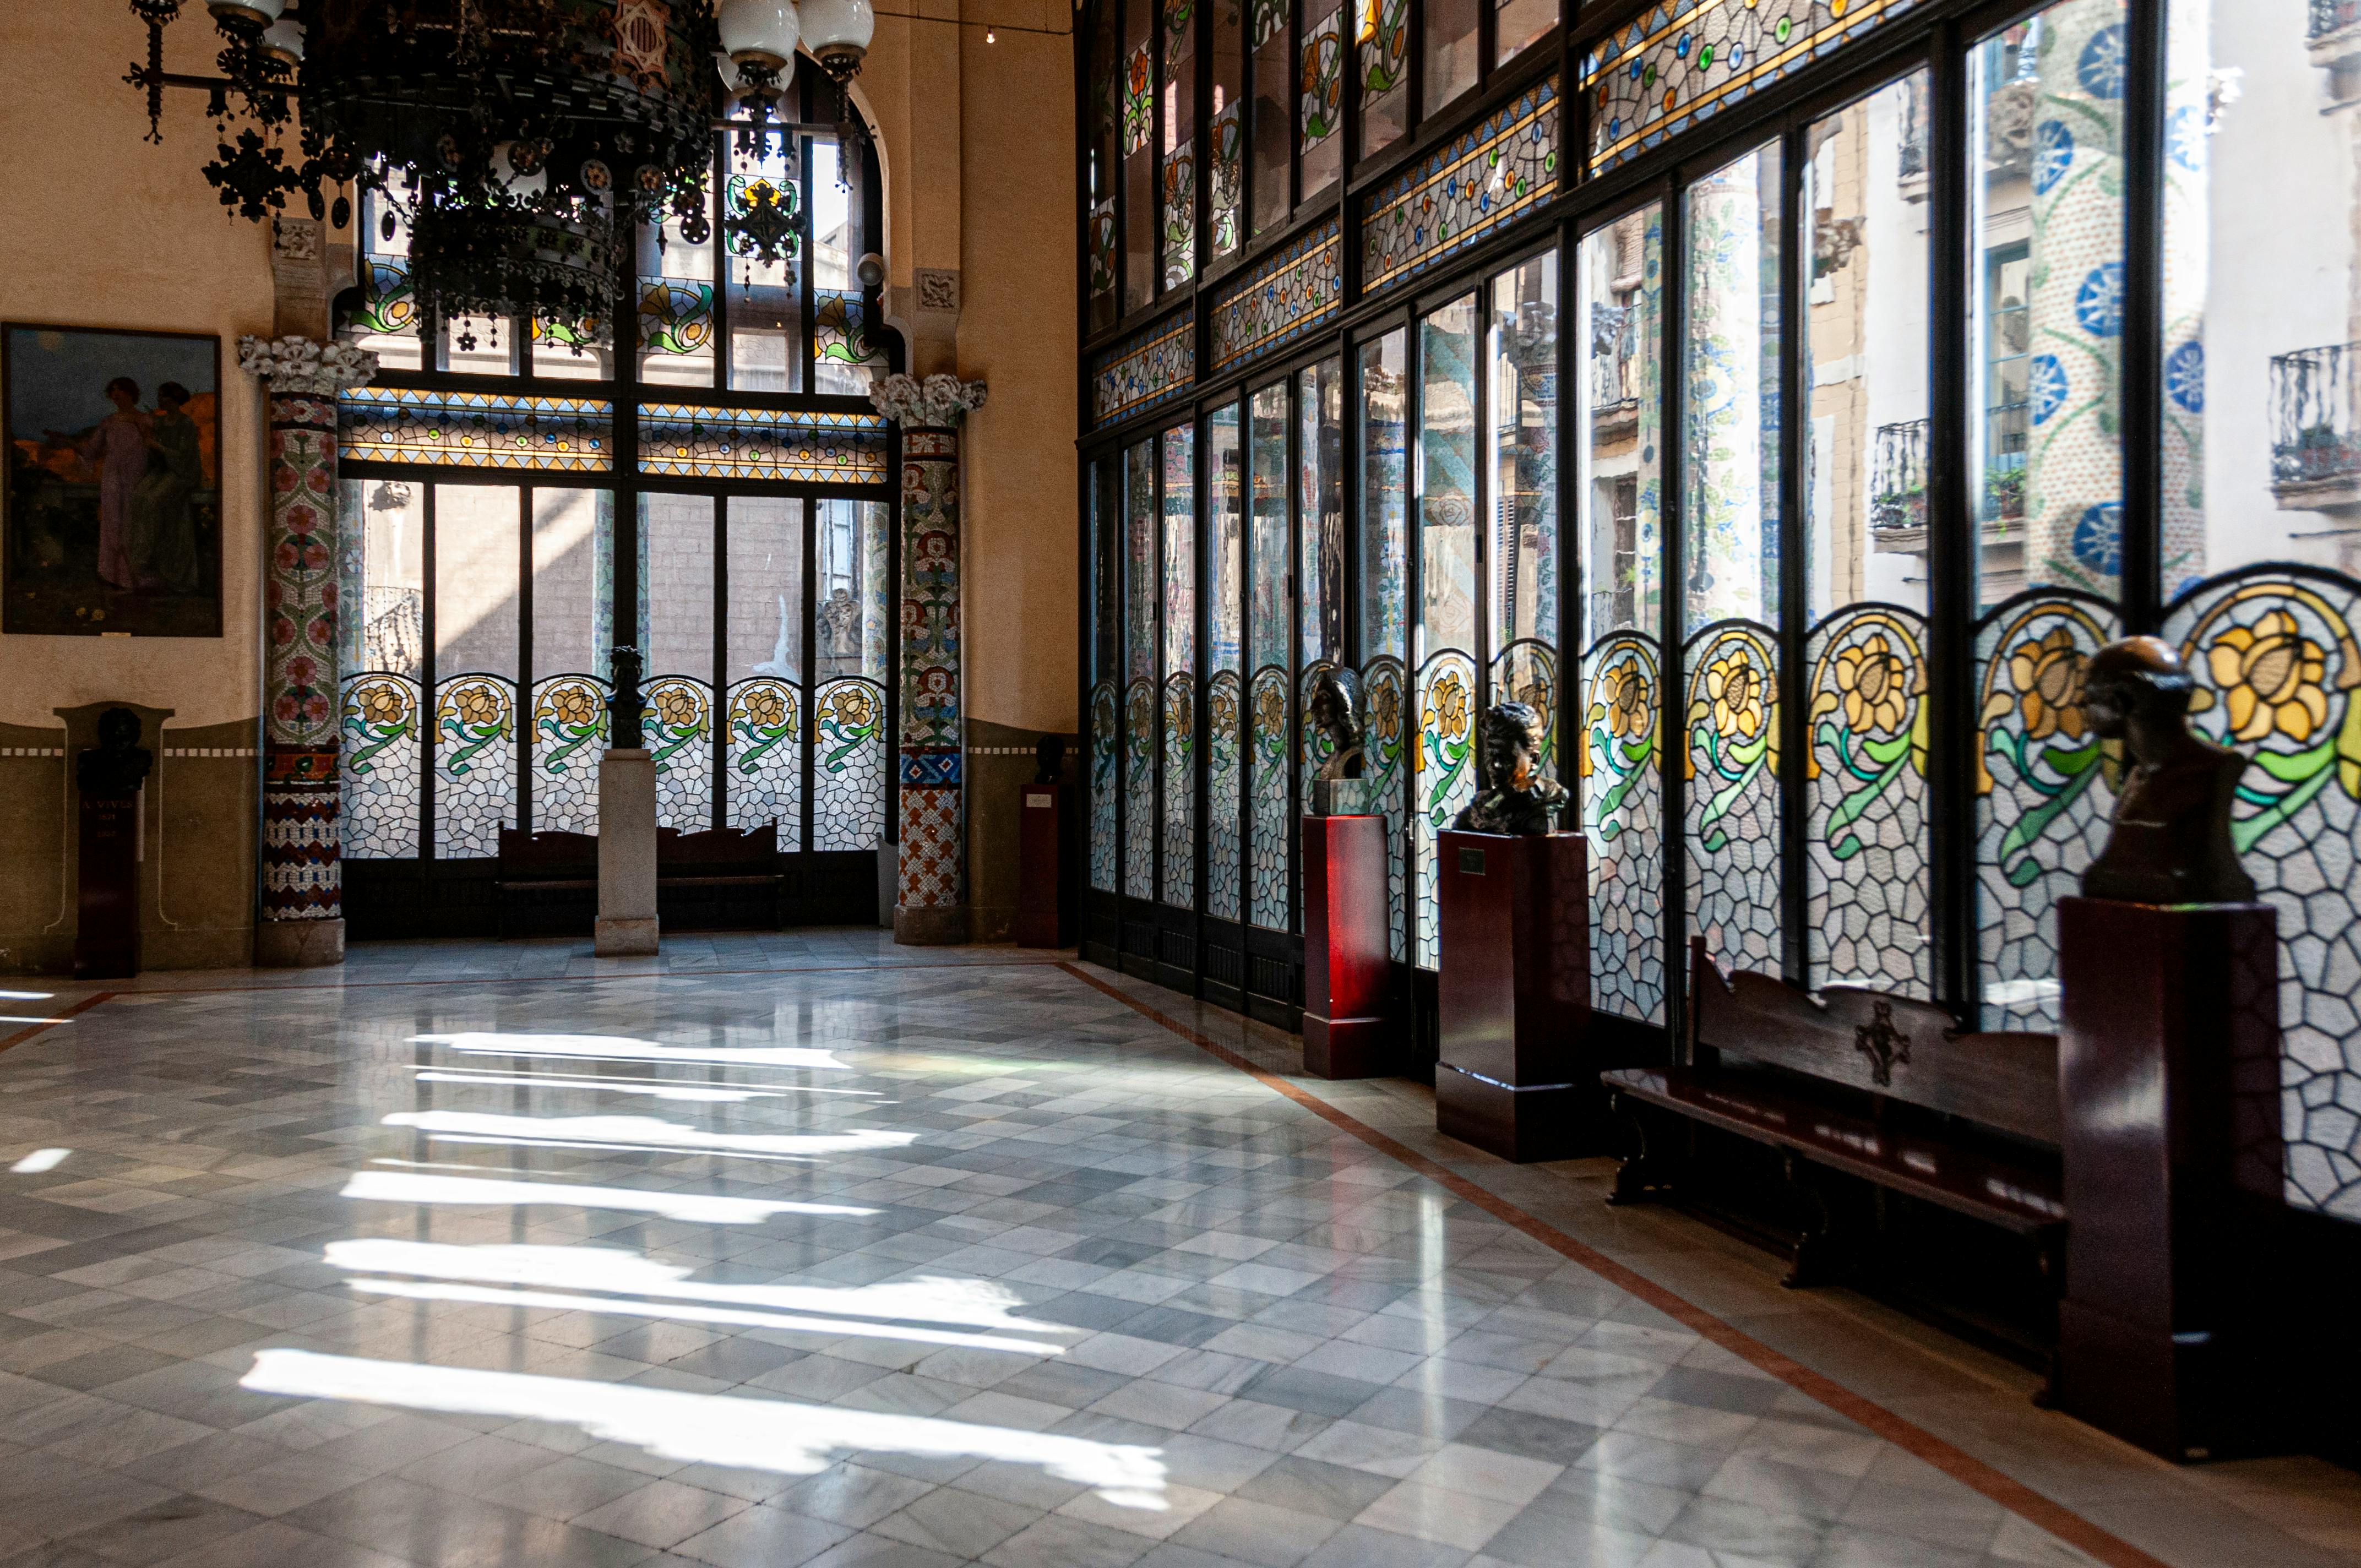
(1041, 866)
(2170, 1080)
(1514, 997)
(106, 929)
(1347, 969)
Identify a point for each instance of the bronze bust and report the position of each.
(1512, 798)
(1335, 707)
(119, 764)
(1050, 761)
(2170, 841)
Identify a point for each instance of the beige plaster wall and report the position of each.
(106, 230)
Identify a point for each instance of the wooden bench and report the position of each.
(1875, 1086)
(548, 883)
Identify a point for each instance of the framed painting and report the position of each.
(112, 521)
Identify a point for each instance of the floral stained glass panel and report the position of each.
(1386, 767)
(1448, 200)
(1222, 711)
(1733, 824)
(379, 766)
(475, 430)
(1623, 812)
(1266, 757)
(678, 727)
(762, 757)
(1281, 299)
(1443, 776)
(1103, 793)
(848, 764)
(569, 733)
(474, 765)
(1868, 891)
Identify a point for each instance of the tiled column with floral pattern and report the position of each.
(302, 904)
(930, 907)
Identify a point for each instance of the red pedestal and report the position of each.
(2169, 1081)
(1042, 869)
(1347, 969)
(1514, 995)
(106, 929)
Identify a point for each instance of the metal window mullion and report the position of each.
(522, 708)
(1484, 499)
(719, 808)
(2142, 371)
(1672, 916)
(427, 722)
(1795, 580)
(1954, 531)
(807, 798)
(1572, 600)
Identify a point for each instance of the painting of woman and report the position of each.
(164, 532)
(117, 448)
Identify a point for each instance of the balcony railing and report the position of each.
(2315, 438)
(1898, 482)
(2334, 15)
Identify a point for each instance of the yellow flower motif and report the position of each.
(1270, 710)
(1735, 688)
(572, 706)
(1225, 710)
(1874, 681)
(761, 708)
(1623, 700)
(384, 703)
(853, 707)
(2269, 674)
(2048, 675)
(474, 706)
(677, 708)
(1446, 708)
(1385, 712)
(1535, 694)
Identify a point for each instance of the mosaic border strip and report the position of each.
(1283, 298)
(1157, 363)
(475, 430)
(1626, 49)
(1458, 179)
(705, 441)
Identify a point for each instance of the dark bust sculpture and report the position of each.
(1336, 708)
(1511, 797)
(1050, 760)
(2171, 842)
(625, 707)
(119, 764)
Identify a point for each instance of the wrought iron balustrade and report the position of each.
(1898, 480)
(2314, 436)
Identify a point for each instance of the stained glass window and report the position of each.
(675, 334)
(1225, 141)
(1280, 299)
(386, 321)
(1383, 373)
(1269, 688)
(1321, 94)
(1274, 96)
(1106, 602)
(379, 765)
(1180, 699)
(1521, 455)
(1140, 177)
(702, 441)
(1444, 640)
(1672, 66)
(763, 757)
(764, 304)
(1444, 202)
(1320, 504)
(1144, 369)
(848, 764)
(1382, 35)
(474, 765)
(676, 641)
(1226, 659)
(1139, 699)
(1450, 52)
(1105, 116)
(475, 430)
(569, 734)
(1180, 195)
(1619, 294)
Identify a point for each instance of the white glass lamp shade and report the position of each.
(255, 14)
(284, 41)
(833, 26)
(734, 83)
(760, 32)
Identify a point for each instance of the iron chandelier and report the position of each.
(522, 141)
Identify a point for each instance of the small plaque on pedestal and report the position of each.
(1348, 1029)
(1514, 997)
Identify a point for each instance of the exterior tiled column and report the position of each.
(302, 918)
(930, 907)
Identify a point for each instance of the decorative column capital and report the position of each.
(937, 402)
(299, 365)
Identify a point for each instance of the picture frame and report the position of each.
(111, 514)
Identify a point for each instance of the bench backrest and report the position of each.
(720, 848)
(523, 851)
(1907, 1050)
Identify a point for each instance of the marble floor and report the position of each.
(805, 1249)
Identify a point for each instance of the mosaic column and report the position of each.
(302, 918)
(2074, 460)
(930, 907)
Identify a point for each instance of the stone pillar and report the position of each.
(931, 906)
(302, 919)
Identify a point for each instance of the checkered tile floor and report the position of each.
(896, 1267)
